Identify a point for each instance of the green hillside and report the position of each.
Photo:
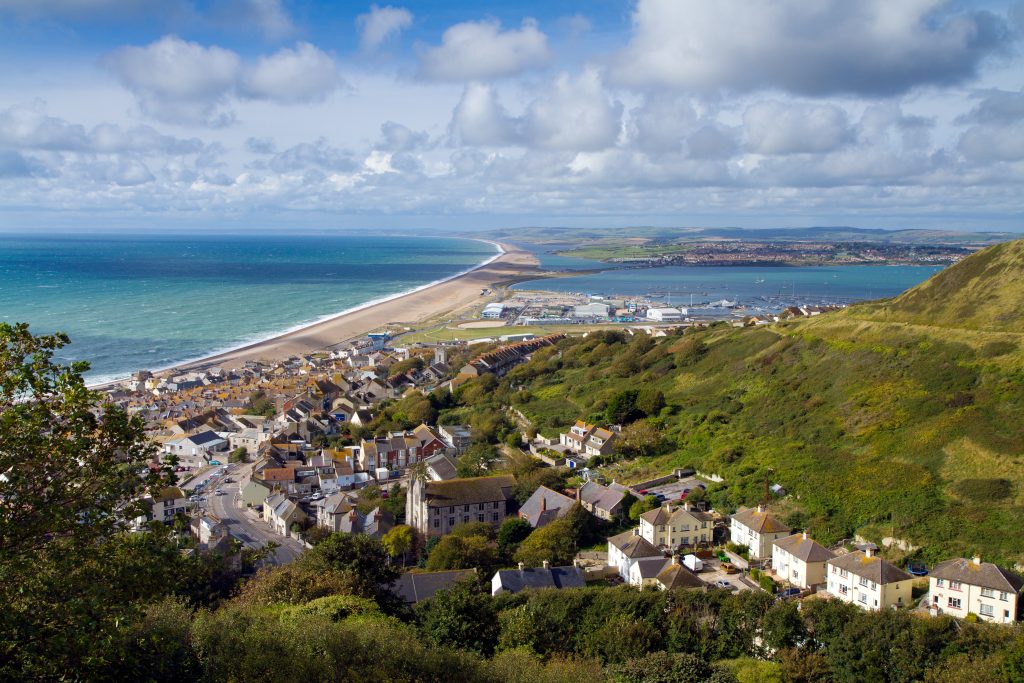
(983, 292)
(883, 428)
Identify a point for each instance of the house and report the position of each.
(866, 580)
(208, 530)
(375, 523)
(398, 450)
(800, 560)
(576, 438)
(601, 501)
(626, 549)
(168, 502)
(414, 587)
(459, 437)
(544, 506)
(675, 575)
(254, 493)
(756, 528)
(515, 580)
(960, 587)
(196, 450)
(281, 513)
(601, 442)
(504, 358)
(434, 508)
(673, 527)
(440, 468)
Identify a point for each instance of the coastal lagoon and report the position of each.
(756, 288)
(130, 302)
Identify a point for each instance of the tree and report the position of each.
(783, 626)
(363, 560)
(643, 505)
(477, 460)
(461, 616)
(455, 552)
(73, 472)
(662, 667)
(555, 543)
(398, 541)
(622, 407)
(240, 454)
(639, 439)
(650, 401)
(512, 532)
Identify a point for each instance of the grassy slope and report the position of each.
(879, 427)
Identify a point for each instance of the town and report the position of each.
(274, 457)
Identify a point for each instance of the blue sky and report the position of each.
(286, 114)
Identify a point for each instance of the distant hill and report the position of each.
(985, 291)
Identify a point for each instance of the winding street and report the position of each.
(244, 524)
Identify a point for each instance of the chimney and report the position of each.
(546, 564)
(636, 531)
(543, 503)
(522, 566)
(976, 559)
(760, 507)
(869, 552)
(576, 562)
(686, 506)
(675, 560)
(805, 535)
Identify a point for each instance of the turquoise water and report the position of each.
(134, 302)
(764, 288)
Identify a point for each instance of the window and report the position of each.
(987, 593)
(465, 518)
(480, 506)
(465, 508)
(843, 590)
(940, 583)
(954, 585)
(1006, 614)
(796, 574)
(479, 518)
(954, 603)
(862, 597)
(986, 610)
(495, 505)
(843, 573)
(863, 582)
(494, 516)
(451, 521)
(1003, 596)
(437, 522)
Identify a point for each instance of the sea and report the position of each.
(131, 302)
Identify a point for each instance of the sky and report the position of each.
(284, 114)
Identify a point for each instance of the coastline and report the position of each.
(404, 308)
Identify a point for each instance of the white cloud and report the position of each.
(480, 119)
(576, 115)
(777, 128)
(304, 74)
(481, 51)
(267, 16)
(380, 24)
(871, 47)
(184, 82)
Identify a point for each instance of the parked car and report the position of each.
(219, 492)
(729, 568)
(788, 593)
(660, 496)
(722, 583)
(215, 462)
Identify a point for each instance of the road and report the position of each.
(244, 524)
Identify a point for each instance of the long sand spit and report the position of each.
(513, 265)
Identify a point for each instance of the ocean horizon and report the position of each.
(132, 302)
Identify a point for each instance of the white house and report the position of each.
(666, 315)
(196, 450)
(866, 580)
(756, 528)
(672, 527)
(168, 502)
(626, 549)
(800, 560)
(960, 587)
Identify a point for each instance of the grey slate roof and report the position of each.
(545, 506)
(762, 522)
(515, 580)
(872, 568)
(984, 574)
(601, 497)
(678, 576)
(442, 465)
(634, 545)
(413, 587)
(806, 549)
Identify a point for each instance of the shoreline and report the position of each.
(411, 306)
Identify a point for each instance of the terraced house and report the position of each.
(757, 529)
(674, 527)
(960, 587)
